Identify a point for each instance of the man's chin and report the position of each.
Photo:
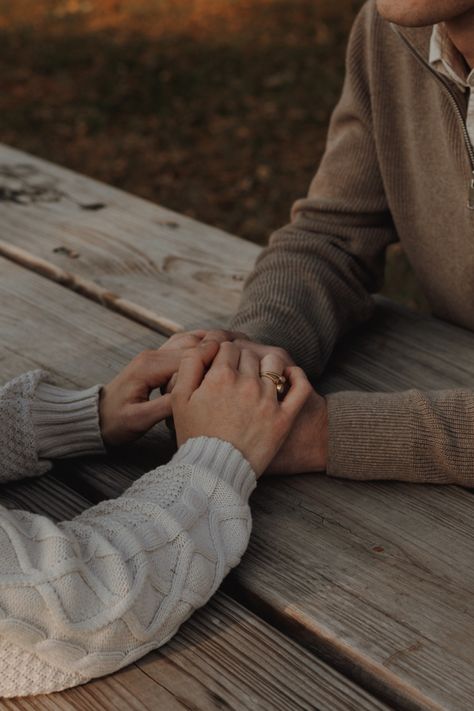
(407, 14)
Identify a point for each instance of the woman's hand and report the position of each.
(125, 409)
(233, 403)
(188, 339)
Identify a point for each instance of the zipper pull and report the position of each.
(470, 203)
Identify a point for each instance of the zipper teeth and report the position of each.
(452, 96)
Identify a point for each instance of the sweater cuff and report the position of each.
(66, 422)
(220, 457)
(371, 436)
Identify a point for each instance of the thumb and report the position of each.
(149, 413)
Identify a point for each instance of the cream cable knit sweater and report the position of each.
(86, 597)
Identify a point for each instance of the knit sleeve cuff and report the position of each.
(220, 457)
(66, 422)
(371, 436)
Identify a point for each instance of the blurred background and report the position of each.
(215, 108)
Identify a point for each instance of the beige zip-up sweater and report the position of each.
(85, 597)
(398, 165)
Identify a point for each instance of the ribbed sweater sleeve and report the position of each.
(86, 597)
(422, 437)
(40, 421)
(313, 282)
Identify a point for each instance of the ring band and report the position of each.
(278, 380)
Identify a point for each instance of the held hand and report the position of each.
(233, 403)
(240, 340)
(125, 409)
(264, 351)
(190, 339)
(305, 448)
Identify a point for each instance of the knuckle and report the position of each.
(191, 341)
(281, 353)
(217, 335)
(144, 357)
(183, 339)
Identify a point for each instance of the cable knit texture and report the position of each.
(396, 166)
(85, 597)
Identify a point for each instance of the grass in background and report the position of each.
(214, 108)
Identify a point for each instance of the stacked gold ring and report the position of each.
(278, 380)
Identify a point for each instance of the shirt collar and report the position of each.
(446, 59)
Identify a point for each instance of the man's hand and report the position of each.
(305, 448)
(190, 339)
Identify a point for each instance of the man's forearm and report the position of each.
(315, 279)
(421, 437)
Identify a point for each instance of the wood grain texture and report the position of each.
(224, 657)
(378, 577)
(126, 252)
(375, 576)
(401, 349)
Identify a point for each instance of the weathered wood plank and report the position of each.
(400, 349)
(395, 352)
(389, 617)
(392, 620)
(224, 656)
(378, 576)
(267, 671)
(375, 640)
(147, 262)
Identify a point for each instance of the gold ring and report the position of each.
(278, 380)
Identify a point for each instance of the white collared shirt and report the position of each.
(447, 60)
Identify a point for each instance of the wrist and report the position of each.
(106, 430)
(316, 436)
(322, 439)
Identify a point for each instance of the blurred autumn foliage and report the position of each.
(214, 108)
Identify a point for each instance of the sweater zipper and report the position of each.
(457, 109)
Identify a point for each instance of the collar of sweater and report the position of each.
(432, 43)
(419, 41)
(419, 38)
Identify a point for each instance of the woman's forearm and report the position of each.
(86, 597)
(39, 422)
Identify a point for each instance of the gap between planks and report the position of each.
(90, 290)
(351, 663)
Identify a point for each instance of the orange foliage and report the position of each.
(155, 18)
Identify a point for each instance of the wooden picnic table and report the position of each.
(351, 595)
